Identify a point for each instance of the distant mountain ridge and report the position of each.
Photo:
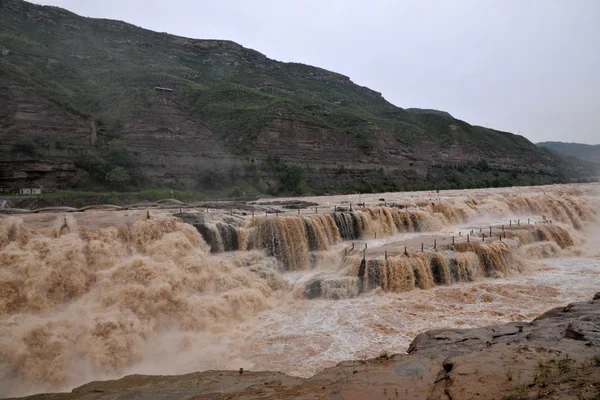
(81, 108)
(582, 151)
(429, 111)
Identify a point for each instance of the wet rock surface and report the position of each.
(577, 321)
(556, 356)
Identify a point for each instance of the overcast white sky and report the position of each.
(525, 66)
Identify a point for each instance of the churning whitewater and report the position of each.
(103, 294)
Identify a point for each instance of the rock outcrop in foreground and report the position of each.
(556, 356)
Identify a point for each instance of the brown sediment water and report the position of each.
(495, 258)
(545, 232)
(540, 250)
(220, 237)
(462, 261)
(76, 306)
(306, 337)
(97, 296)
(289, 238)
(423, 270)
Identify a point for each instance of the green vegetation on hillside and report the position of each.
(113, 165)
(107, 70)
(248, 183)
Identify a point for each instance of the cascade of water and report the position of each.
(83, 304)
(290, 238)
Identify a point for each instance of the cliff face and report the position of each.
(71, 85)
(172, 146)
(556, 356)
(27, 116)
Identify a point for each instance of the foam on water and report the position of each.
(303, 337)
(77, 306)
(147, 296)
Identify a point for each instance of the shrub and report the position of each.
(96, 166)
(118, 177)
(214, 179)
(293, 179)
(117, 154)
(236, 192)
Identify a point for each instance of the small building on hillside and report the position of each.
(31, 190)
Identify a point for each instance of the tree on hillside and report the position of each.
(118, 177)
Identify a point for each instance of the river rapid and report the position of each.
(103, 294)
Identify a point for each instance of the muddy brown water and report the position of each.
(103, 294)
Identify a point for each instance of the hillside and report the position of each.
(81, 110)
(586, 152)
(429, 111)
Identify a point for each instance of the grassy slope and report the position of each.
(107, 70)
